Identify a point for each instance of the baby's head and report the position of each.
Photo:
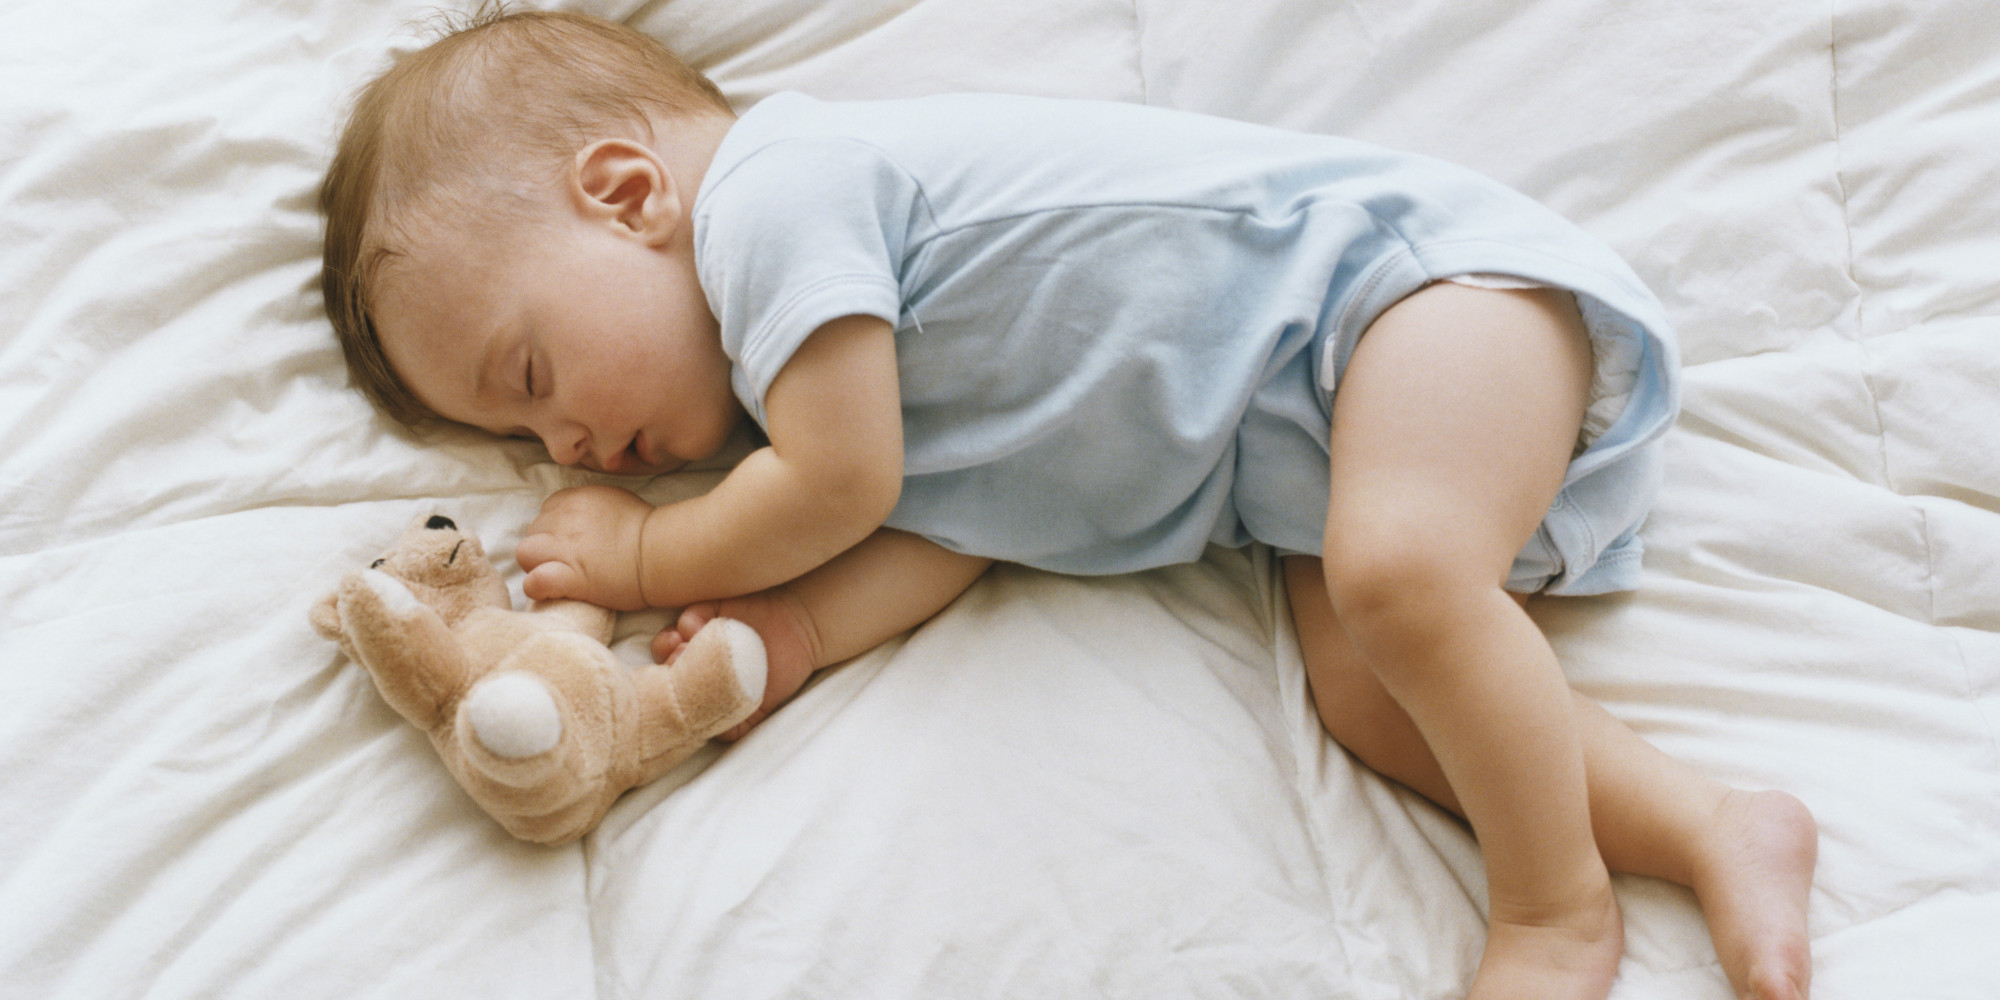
(506, 213)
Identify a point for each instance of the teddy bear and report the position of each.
(530, 710)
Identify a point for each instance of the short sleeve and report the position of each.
(798, 233)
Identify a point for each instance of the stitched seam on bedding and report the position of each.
(1847, 230)
(1966, 673)
(1839, 172)
(1866, 367)
(1139, 53)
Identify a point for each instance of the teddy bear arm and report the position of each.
(415, 660)
(577, 616)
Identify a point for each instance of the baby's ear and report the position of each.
(626, 185)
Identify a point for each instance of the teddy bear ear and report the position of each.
(325, 615)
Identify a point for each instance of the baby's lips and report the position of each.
(628, 458)
(616, 462)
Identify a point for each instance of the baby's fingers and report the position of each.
(552, 580)
(535, 549)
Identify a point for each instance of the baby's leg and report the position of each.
(1452, 428)
(890, 583)
(1748, 856)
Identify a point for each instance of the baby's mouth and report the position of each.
(632, 459)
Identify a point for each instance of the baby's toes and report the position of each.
(667, 645)
(671, 640)
(694, 616)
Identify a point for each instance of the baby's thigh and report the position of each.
(1447, 439)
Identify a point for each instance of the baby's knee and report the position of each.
(1401, 588)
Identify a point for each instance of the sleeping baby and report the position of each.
(1090, 338)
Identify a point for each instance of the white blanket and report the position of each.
(1058, 788)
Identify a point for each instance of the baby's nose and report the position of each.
(564, 455)
(568, 446)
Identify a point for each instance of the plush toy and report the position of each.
(533, 714)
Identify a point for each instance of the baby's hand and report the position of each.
(585, 546)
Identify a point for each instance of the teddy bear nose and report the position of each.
(439, 522)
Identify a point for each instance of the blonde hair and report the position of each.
(499, 89)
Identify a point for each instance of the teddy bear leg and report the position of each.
(509, 756)
(714, 684)
(537, 799)
(513, 715)
(534, 742)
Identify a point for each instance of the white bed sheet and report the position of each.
(1058, 788)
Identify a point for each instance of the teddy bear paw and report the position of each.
(746, 656)
(395, 598)
(514, 716)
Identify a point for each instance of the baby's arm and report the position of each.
(830, 477)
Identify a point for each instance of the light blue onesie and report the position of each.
(1119, 328)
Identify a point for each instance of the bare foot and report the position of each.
(1552, 957)
(791, 646)
(1753, 875)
